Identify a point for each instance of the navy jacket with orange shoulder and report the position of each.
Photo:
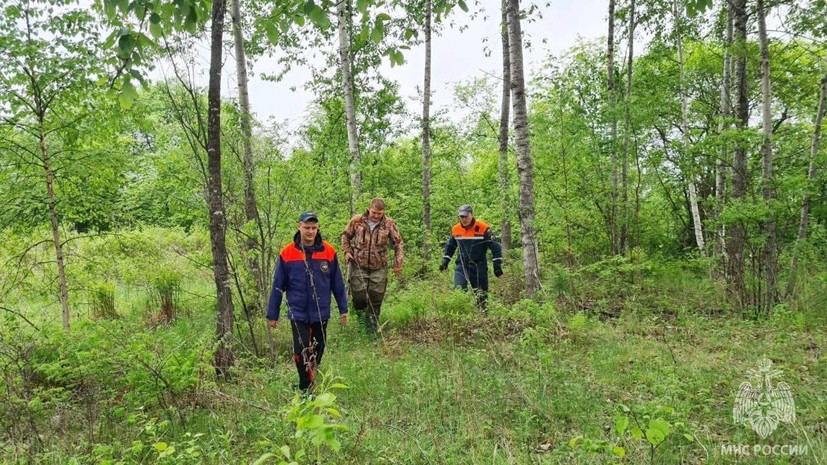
(473, 242)
(308, 275)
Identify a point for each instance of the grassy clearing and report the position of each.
(445, 384)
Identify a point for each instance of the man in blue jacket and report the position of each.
(474, 239)
(308, 271)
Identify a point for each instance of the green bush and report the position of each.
(102, 300)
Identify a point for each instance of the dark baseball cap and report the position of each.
(308, 216)
(465, 210)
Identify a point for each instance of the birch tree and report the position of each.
(525, 164)
(693, 195)
(770, 253)
(502, 161)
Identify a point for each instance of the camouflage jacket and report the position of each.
(370, 250)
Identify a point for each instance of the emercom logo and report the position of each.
(761, 404)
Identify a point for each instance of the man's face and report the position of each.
(465, 220)
(308, 231)
(375, 215)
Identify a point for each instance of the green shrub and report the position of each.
(102, 300)
(166, 289)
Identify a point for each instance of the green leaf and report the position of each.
(160, 446)
(154, 18)
(309, 6)
(661, 425)
(319, 18)
(362, 6)
(378, 32)
(654, 436)
(314, 422)
(285, 450)
(462, 6)
(109, 8)
(689, 437)
(129, 90)
(272, 33)
(619, 451)
(326, 399)
(155, 30)
(126, 44)
(110, 40)
(383, 17)
(264, 458)
(298, 19)
(621, 424)
(637, 433)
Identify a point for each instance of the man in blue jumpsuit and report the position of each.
(474, 239)
(308, 271)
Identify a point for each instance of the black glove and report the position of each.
(444, 265)
(498, 271)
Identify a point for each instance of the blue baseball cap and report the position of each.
(308, 216)
(465, 210)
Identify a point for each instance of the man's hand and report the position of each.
(397, 271)
(343, 318)
(444, 265)
(273, 323)
(348, 257)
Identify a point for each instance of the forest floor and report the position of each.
(565, 381)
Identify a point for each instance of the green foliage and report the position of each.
(102, 300)
(636, 427)
(317, 423)
(166, 288)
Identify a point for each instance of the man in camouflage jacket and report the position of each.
(366, 241)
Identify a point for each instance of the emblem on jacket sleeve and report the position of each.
(763, 406)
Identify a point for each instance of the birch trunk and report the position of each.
(250, 204)
(426, 136)
(811, 175)
(502, 164)
(723, 124)
(343, 15)
(624, 168)
(693, 195)
(610, 87)
(770, 255)
(525, 166)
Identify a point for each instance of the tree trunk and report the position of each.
(250, 205)
(525, 165)
(224, 327)
(343, 15)
(738, 235)
(770, 255)
(426, 137)
(502, 165)
(723, 124)
(63, 295)
(693, 195)
(624, 168)
(610, 87)
(811, 175)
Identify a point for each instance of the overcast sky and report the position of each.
(457, 56)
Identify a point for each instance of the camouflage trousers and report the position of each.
(367, 289)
